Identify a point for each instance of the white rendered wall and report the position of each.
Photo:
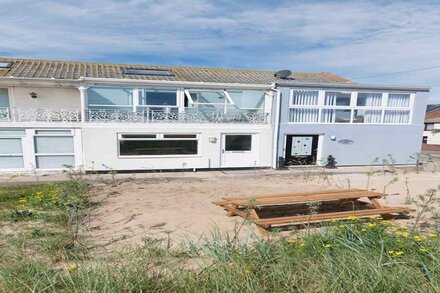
(47, 97)
(433, 136)
(100, 144)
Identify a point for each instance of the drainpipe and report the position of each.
(276, 127)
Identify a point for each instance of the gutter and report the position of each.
(276, 127)
(353, 86)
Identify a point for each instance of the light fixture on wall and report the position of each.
(33, 95)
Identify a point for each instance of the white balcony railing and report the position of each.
(191, 115)
(40, 115)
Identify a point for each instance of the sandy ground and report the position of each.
(179, 206)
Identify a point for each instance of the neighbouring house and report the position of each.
(357, 124)
(431, 134)
(102, 116)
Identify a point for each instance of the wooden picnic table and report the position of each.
(247, 206)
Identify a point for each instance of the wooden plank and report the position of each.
(330, 216)
(288, 194)
(303, 199)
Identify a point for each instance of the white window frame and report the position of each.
(136, 95)
(15, 155)
(159, 136)
(352, 107)
(71, 134)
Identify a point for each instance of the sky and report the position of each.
(363, 41)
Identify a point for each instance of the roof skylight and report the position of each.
(157, 72)
(5, 64)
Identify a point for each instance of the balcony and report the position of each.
(145, 115)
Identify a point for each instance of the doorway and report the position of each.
(301, 149)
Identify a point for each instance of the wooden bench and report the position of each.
(247, 206)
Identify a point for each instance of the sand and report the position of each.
(178, 206)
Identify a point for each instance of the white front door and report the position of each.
(239, 150)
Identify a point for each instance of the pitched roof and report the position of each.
(433, 116)
(432, 107)
(65, 70)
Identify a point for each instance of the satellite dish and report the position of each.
(283, 74)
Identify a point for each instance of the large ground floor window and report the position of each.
(11, 149)
(158, 144)
(54, 149)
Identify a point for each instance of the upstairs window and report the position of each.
(429, 126)
(337, 99)
(158, 98)
(398, 100)
(110, 98)
(369, 100)
(4, 98)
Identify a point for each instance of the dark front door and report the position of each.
(301, 149)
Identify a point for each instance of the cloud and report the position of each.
(350, 38)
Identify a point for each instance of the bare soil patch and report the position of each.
(179, 207)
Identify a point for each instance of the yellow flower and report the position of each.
(404, 227)
(341, 226)
(432, 235)
(398, 253)
(71, 268)
(22, 200)
(333, 221)
(328, 246)
(291, 240)
(403, 234)
(371, 225)
(247, 271)
(419, 238)
(353, 218)
(302, 245)
(390, 252)
(363, 230)
(423, 249)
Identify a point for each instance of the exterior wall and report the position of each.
(368, 141)
(97, 138)
(433, 136)
(48, 97)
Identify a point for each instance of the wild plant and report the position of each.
(370, 172)
(427, 207)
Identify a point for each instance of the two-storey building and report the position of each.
(101, 116)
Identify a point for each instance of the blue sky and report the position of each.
(350, 38)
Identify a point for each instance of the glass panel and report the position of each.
(109, 96)
(212, 100)
(193, 136)
(139, 136)
(429, 126)
(303, 115)
(398, 100)
(54, 162)
(4, 99)
(367, 116)
(158, 97)
(10, 146)
(157, 147)
(53, 145)
(55, 132)
(248, 99)
(8, 132)
(369, 99)
(11, 163)
(302, 98)
(337, 99)
(238, 142)
(336, 115)
(396, 116)
(342, 116)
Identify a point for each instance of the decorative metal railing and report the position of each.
(141, 116)
(190, 116)
(40, 115)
